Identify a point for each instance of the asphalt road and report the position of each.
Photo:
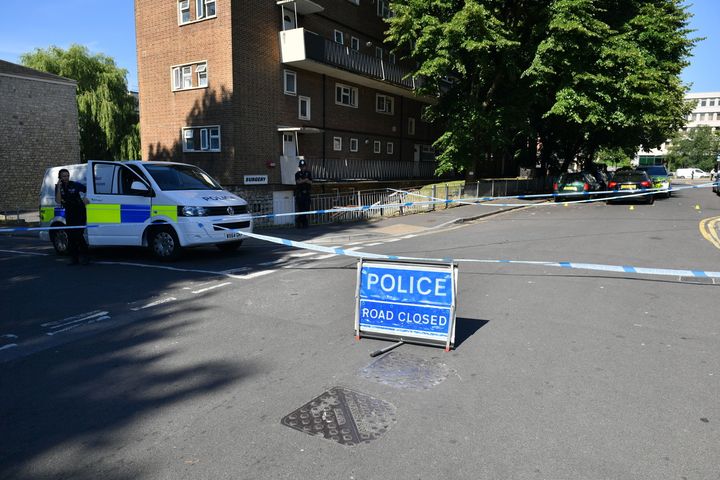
(132, 369)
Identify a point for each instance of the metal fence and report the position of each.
(338, 169)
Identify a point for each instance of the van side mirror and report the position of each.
(140, 187)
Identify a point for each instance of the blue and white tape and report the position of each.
(668, 272)
(44, 229)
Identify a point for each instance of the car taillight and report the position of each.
(555, 186)
(645, 184)
(586, 187)
(612, 184)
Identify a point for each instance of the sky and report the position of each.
(108, 27)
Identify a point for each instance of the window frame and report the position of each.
(179, 74)
(181, 10)
(337, 144)
(301, 99)
(207, 136)
(201, 8)
(286, 74)
(387, 100)
(390, 148)
(377, 146)
(354, 43)
(201, 72)
(354, 144)
(339, 34)
(352, 94)
(411, 125)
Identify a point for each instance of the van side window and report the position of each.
(105, 178)
(127, 177)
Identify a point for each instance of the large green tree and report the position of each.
(572, 76)
(107, 111)
(699, 148)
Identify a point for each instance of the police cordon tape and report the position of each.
(668, 272)
(479, 201)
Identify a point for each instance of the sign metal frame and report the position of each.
(407, 333)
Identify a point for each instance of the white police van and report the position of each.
(165, 206)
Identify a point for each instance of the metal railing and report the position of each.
(339, 169)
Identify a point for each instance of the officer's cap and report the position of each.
(302, 163)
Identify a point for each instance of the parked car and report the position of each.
(631, 182)
(660, 179)
(691, 173)
(569, 185)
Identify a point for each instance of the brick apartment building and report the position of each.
(243, 88)
(39, 121)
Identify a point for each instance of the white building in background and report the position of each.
(706, 111)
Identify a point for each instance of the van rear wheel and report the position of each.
(164, 243)
(60, 241)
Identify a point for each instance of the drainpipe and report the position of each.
(324, 135)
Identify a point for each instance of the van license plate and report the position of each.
(233, 235)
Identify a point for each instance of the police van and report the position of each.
(164, 206)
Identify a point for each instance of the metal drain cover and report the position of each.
(343, 415)
(403, 370)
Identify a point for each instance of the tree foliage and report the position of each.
(571, 76)
(106, 111)
(698, 148)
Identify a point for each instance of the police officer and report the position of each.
(303, 185)
(67, 195)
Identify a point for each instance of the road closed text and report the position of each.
(403, 316)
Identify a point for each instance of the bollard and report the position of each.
(447, 195)
(434, 196)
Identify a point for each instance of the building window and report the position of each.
(702, 102)
(304, 108)
(182, 76)
(384, 104)
(202, 76)
(354, 2)
(353, 144)
(345, 95)
(377, 146)
(290, 82)
(712, 103)
(184, 11)
(201, 139)
(355, 43)
(204, 9)
(379, 52)
(383, 9)
(390, 148)
(337, 144)
(339, 37)
(411, 126)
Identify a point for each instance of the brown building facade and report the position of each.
(39, 121)
(244, 88)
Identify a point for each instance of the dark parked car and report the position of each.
(570, 185)
(631, 182)
(660, 178)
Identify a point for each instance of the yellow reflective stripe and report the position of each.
(169, 211)
(47, 214)
(99, 213)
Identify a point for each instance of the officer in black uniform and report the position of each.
(303, 185)
(67, 194)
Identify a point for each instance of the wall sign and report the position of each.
(412, 302)
(255, 179)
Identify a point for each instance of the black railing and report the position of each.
(326, 51)
(340, 169)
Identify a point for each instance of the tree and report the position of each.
(106, 110)
(699, 148)
(573, 76)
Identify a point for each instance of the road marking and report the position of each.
(90, 322)
(9, 335)
(76, 321)
(155, 303)
(203, 290)
(234, 270)
(259, 273)
(374, 244)
(323, 257)
(9, 345)
(25, 253)
(708, 229)
(300, 254)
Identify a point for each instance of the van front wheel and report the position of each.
(164, 243)
(59, 239)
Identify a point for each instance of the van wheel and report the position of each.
(229, 246)
(164, 243)
(60, 241)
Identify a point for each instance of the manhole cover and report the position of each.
(403, 370)
(343, 415)
(698, 280)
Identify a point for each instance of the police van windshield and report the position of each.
(181, 177)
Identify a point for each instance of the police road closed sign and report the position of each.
(407, 301)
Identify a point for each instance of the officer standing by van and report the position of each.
(67, 195)
(303, 186)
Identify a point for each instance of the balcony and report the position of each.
(309, 51)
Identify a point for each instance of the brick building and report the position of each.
(39, 121)
(243, 88)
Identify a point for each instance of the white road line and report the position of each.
(300, 254)
(155, 303)
(392, 240)
(8, 335)
(94, 320)
(234, 270)
(202, 290)
(9, 345)
(323, 257)
(355, 243)
(408, 236)
(78, 321)
(374, 244)
(25, 253)
(274, 262)
(259, 273)
(74, 318)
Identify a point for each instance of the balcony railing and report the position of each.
(328, 52)
(339, 169)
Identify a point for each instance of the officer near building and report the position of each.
(303, 185)
(67, 195)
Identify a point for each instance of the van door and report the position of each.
(120, 212)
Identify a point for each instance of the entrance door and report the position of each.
(289, 145)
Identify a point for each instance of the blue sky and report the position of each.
(108, 27)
